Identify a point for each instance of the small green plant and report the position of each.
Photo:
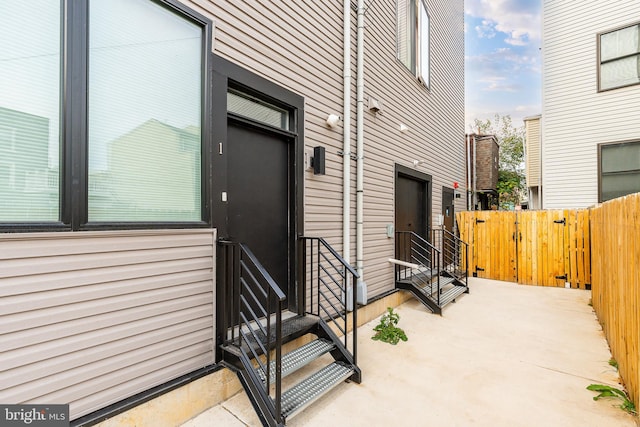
(387, 331)
(608, 391)
(612, 362)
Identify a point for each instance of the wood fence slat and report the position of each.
(566, 246)
(545, 248)
(580, 251)
(570, 244)
(586, 246)
(532, 232)
(560, 253)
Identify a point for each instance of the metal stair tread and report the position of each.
(433, 286)
(313, 387)
(298, 358)
(451, 294)
(292, 328)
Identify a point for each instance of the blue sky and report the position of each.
(502, 59)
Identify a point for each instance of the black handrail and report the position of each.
(422, 261)
(327, 288)
(455, 253)
(253, 323)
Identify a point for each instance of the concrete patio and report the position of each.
(504, 355)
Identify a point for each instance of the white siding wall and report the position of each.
(575, 116)
(532, 129)
(299, 46)
(89, 318)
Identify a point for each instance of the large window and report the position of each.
(413, 37)
(619, 169)
(145, 80)
(619, 57)
(130, 151)
(29, 111)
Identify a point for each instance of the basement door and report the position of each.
(258, 197)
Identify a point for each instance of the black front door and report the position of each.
(411, 202)
(412, 207)
(258, 197)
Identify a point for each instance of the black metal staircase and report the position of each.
(257, 325)
(435, 273)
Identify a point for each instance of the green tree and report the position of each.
(511, 178)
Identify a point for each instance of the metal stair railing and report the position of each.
(253, 323)
(455, 253)
(414, 249)
(330, 289)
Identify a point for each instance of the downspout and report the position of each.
(540, 172)
(346, 137)
(362, 286)
(475, 173)
(468, 147)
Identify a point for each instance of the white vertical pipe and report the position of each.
(346, 137)
(469, 187)
(360, 153)
(475, 171)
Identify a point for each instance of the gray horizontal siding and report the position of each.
(299, 45)
(435, 118)
(92, 318)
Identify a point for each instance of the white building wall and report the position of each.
(576, 118)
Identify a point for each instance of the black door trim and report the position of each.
(229, 75)
(419, 176)
(226, 75)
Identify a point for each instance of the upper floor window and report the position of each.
(413, 37)
(619, 169)
(619, 57)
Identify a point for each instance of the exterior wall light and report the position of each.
(333, 120)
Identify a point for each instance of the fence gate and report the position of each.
(542, 252)
(544, 248)
(494, 251)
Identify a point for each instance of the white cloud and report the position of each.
(486, 30)
(503, 60)
(497, 84)
(518, 19)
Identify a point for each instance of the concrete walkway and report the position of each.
(504, 355)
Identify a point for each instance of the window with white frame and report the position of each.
(619, 169)
(619, 57)
(413, 37)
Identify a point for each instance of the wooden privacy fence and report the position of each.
(545, 248)
(615, 293)
(598, 248)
